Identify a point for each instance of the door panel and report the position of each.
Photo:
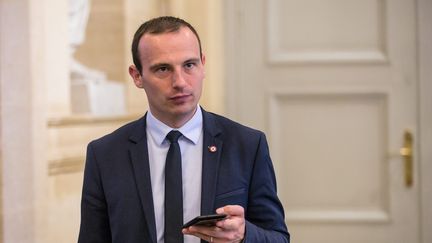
(333, 84)
(329, 136)
(322, 31)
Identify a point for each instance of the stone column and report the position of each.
(22, 121)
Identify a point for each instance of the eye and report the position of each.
(190, 65)
(162, 69)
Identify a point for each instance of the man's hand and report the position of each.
(231, 229)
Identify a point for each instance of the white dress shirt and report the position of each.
(191, 146)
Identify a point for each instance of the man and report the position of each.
(225, 167)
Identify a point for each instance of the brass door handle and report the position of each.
(407, 153)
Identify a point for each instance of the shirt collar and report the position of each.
(191, 130)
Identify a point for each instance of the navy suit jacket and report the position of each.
(117, 204)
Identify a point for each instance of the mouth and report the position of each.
(180, 98)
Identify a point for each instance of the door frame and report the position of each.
(424, 16)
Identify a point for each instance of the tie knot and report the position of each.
(173, 136)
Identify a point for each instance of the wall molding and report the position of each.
(66, 165)
(336, 216)
(75, 163)
(88, 119)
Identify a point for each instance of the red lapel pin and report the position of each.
(212, 148)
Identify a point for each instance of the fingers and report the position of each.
(204, 237)
(210, 234)
(214, 234)
(235, 218)
(231, 229)
(231, 210)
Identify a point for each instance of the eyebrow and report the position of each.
(193, 60)
(162, 64)
(158, 65)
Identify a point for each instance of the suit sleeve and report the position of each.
(94, 226)
(264, 215)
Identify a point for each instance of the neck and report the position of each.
(174, 121)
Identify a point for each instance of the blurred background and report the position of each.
(340, 87)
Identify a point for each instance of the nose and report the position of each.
(178, 79)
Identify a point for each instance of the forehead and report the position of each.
(165, 47)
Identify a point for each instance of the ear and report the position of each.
(203, 59)
(136, 76)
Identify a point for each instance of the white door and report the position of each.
(333, 84)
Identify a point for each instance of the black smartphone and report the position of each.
(205, 220)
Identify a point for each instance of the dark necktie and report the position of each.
(173, 191)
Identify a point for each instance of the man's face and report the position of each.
(172, 74)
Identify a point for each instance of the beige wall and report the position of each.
(42, 143)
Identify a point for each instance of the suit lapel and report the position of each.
(212, 148)
(141, 168)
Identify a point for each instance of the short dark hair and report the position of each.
(159, 25)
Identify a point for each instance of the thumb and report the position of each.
(232, 210)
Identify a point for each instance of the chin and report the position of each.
(185, 110)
